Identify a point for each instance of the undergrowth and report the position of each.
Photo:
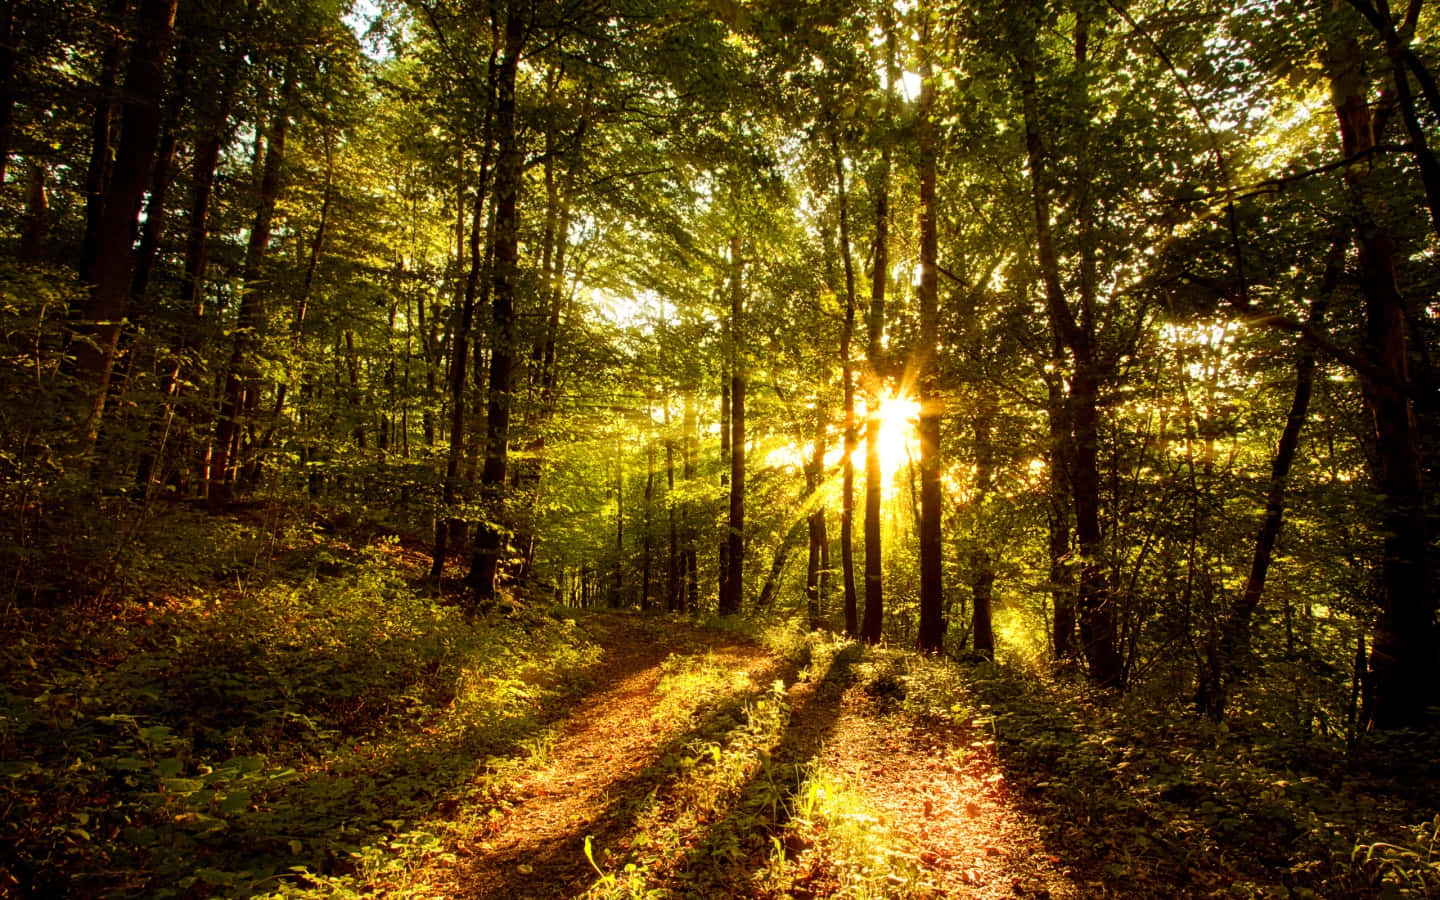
(301, 721)
(1136, 791)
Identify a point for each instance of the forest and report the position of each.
(699, 448)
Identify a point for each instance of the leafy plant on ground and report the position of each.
(294, 729)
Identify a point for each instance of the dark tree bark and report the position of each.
(674, 568)
(35, 230)
(647, 559)
(851, 439)
(1077, 336)
(1402, 655)
(489, 539)
(617, 599)
(1064, 636)
(8, 39)
(690, 553)
(817, 561)
(156, 219)
(930, 636)
(732, 585)
(462, 319)
(102, 124)
(1225, 660)
(982, 565)
(114, 260)
(872, 626)
(242, 379)
(723, 551)
(192, 289)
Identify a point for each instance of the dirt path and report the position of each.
(598, 766)
(931, 793)
(938, 791)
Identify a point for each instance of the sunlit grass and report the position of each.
(836, 844)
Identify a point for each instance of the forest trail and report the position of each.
(929, 794)
(598, 764)
(936, 791)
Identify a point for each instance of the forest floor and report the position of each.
(929, 797)
(277, 706)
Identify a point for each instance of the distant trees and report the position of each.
(609, 299)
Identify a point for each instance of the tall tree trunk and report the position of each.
(35, 230)
(8, 38)
(1060, 516)
(114, 260)
(930, 637)
(192, 288)
(1096, 616)
(157, 207)
(723, 551)
(462, 318)
(674, 567)
(1402, 655)
(732, 587)
(242, 379)
(817, 558)
(690, 553)
(509, 171)
(873, 624)
(102, 123)
(771, 585)
(647, 560)
(617, 599)
(982, 564)
(851, 438)
(1223, 666)
(302, 307)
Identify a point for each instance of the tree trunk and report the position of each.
(674, 567)
(35, 231)
(8, 39)
(851, 438)
(723, 551)
(690, 553)
(931, 632)
(982, 566)
(242, 380)
(817, 558)
(771, 585)
(192, 289)
(102, 123)
(114, 259)
(1062, 581)
(1096, 616)
(647, 561)
(617, 599)
(1402, 655)
(509, 171)
(873, 624)
(463, 319)
(1223, 667)
(732, 586)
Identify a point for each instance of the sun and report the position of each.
(899, 414)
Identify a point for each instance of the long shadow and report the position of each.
(1135, 799)
(812, 717)
(719, 862)
(559, 868)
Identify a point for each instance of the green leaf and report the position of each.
(182, 785)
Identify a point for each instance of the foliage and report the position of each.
(295, 721)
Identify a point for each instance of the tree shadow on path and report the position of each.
(610, 756)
